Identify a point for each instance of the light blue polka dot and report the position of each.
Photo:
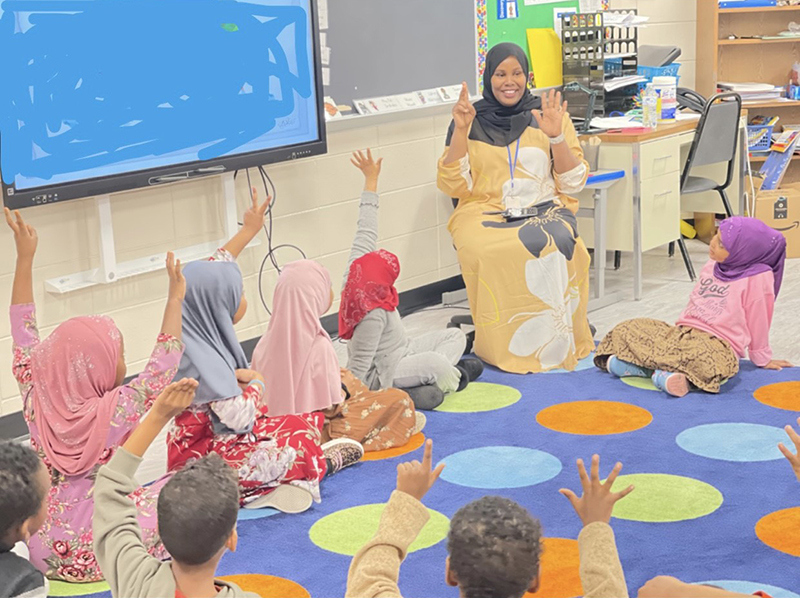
(733, 442)
(749, 587)
(500, 467)
(584, 364)
(246, 514)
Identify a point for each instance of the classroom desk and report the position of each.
(644, 209)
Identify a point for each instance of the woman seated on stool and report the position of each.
(528, 280)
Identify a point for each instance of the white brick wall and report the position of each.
(672, 23)
(316, 209)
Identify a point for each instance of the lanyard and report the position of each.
(512, 168)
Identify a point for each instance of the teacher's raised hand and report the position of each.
(463, 111)
(551, 117)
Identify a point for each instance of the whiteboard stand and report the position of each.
(111, 271)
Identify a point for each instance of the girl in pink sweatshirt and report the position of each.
(728, 317)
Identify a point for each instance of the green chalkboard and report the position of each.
(535, 16)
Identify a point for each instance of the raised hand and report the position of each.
(597, 501)
(177, 283)
(551, 117)
(370, 167)
(253, 219)
(416, 478)
(25, 236)
(793, 458)
(463, 111)
(174, 399)
(778, 365)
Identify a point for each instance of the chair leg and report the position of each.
(672, 249)
(687, 260)
(726, 202)
(617, 260)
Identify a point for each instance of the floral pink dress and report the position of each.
(275, 450)
(63, 547)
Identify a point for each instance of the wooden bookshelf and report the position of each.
(738, 11)
(749, 60)
(760, 159)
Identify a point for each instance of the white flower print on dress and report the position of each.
(548, 334)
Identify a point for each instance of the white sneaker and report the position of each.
(419, 426)
(342, 452)
(285, 498)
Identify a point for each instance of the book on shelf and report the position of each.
(764, 121)
(785, 140)
(754, 92)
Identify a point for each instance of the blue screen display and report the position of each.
(95, 88)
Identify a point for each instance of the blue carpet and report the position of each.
(721, 545)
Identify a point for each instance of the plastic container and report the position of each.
(759, 137)
(650, 107)
(667, 90)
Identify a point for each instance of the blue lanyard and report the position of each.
(513, 168)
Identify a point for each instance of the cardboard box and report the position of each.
(780, 209)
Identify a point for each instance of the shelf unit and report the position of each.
(749, 60)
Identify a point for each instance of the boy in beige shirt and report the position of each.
(494, 544)
(197, 512)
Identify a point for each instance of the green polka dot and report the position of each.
(62, 588)
(479, 397)
(230, 27)
(346, 532)
(643, 383)
(661, 498)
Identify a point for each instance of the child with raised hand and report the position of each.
(379, 352)
(197, 512)
(279, 455)
(728, 316)
(78, 410)
(24, 485)
(494, 544)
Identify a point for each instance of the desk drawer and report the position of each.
(659, 158)
(661, 210)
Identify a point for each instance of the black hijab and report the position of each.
(503, 125)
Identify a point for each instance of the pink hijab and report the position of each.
(73, 373)
(296, 355)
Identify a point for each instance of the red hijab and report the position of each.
(370, 285)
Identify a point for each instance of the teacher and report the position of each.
(527, 280)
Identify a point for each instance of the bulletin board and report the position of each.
(535, 16)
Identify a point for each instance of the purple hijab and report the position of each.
(754, 248)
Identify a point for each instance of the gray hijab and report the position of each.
(213, 353)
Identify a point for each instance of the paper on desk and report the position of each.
(326, 76)
(615, 122)
(620, 82)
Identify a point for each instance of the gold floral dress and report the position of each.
(528, 280)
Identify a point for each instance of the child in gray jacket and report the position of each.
(379, 351)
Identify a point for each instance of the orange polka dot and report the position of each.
(594, 418)
(413, 444)
(268, 586)
(560, 570)
(783, 395)
(778, 530)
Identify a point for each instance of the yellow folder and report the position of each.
(544, 48)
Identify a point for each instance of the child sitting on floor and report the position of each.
(494, 544)
(729, 314)
(197, 512)
(24, 485)
(379, 352)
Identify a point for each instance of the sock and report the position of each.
(623, 369)
(668, 383)
(329, 469)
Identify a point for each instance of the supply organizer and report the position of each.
(586, 42)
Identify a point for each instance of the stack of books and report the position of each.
(754, 92)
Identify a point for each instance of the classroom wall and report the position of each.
(672, 22)
(316, 209)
